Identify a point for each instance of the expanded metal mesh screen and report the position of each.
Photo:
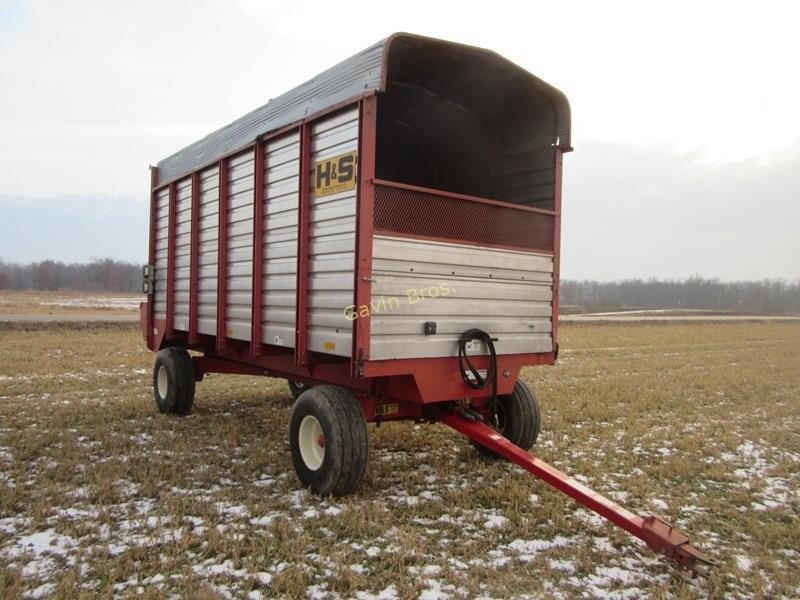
(411, 212)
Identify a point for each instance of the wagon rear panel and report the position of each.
(458, 286)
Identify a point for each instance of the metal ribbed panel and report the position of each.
(504, 292)
(448, 218)
(349, 79)
(183, 244)
(208, 254)
(162, 250)
(239, 300)
(281, 200)
(332, 243)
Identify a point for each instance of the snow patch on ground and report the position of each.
(41, 553)
(387, 593)
(122, 302)
(755, 471)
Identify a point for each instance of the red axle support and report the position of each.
(658, 534)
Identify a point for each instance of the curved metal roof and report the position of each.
(362, 74)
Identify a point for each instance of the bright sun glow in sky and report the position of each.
(686, 125)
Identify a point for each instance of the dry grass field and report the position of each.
(68, 303)
(100, 496)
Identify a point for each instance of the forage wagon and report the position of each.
(386, 237)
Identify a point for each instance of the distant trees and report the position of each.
(104, 274)
(768, 296)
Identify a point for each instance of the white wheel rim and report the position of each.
(312, 442)
(162, 381)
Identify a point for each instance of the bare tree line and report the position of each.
(766, 296)
(102, 274)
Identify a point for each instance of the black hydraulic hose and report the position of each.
(478, 381)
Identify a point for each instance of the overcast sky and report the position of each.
(686, 116)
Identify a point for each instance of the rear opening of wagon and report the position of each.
(465, 209)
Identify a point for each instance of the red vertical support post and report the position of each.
(559, 159)
(194, 259)
(222, 256)
(151, 256)
(303, 240)
(365, 206)
(171, 233)
(258, 250)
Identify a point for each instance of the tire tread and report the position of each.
(349, 431)
(181, 382)
(523, 419)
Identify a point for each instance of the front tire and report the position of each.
(519, 418)
(328, 440)
(173, 381)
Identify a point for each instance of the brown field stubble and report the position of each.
(102, 496)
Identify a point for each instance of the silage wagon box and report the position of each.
(385, 237)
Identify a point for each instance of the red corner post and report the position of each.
(151, 258)
(658, 534)
(559, 159)
(365, 207)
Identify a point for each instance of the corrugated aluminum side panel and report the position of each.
(281, 201)
(506, 293)
(208, 252)
(162, 250)
(183, 254)
(332, 243)
(349, 79)
(239, 300)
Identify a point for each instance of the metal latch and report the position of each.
(149, 279)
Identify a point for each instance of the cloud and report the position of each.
(89, 102)
(639, 211)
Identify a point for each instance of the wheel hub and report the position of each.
(162, 381)
(311, 441)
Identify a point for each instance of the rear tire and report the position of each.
(328, 440)
(173, 381)
(519, 418)
(296, 388)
